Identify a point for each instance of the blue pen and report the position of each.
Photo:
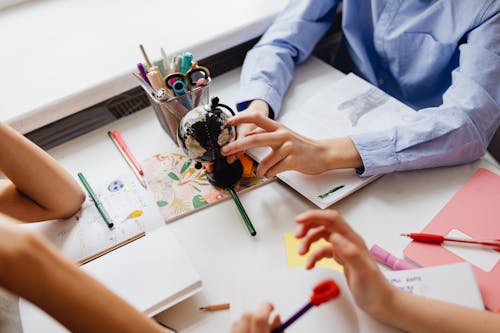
(179, 88)
(186, 62)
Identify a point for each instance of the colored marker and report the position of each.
(179, 88)
(198, 90)
(155, 78)
(322, 293)
(243, 213)
(186, 62)
(385, 258)
(143, 73)
(166, 61)
(97, 202)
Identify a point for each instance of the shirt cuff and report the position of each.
(377, 151)
(259, 90)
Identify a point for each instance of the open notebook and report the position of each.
(180, 189)
(290, 289)
(152, 272)
(338, 108)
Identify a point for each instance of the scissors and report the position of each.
(322, 292)
(190, 77)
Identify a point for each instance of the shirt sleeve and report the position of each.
(456, 132)
(268, 67)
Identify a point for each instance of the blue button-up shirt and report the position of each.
(440, 57)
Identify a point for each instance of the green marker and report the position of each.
(97, 202)
(243, 213)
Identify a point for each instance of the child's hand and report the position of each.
(258, 322)
(369, 287)
(290, 150)
(243, 129)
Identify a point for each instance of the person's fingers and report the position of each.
(349, 253)
(256, 118)
(269, 161)
(318, 254)
(252, 141)
(276, 321)
(208, 166)
(331, 220)
(256, 130)
(232, 158)
(261, 318)
(243, 325)
(243, 130)
(283, 165)
(312, 236)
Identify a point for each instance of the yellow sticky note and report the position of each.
(294, 259)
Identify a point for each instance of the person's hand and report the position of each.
(255, 107)
(258, 322)
(289, 150)
(370, 288)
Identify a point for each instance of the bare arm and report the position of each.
(38, 187)
(421, 314)
(32, 269)
(372, 291)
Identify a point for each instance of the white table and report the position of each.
(216, 238)
(59, 57)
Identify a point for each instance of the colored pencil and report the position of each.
(127, 155)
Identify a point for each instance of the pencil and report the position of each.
(109, 249)
(216, 307)
(146, 58)
(127, 155)
(243, 213)
(97, 202)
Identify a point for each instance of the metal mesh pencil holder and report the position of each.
(171, 111)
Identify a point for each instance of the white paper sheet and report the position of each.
(290, 289)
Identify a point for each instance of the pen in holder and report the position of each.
(170, 110)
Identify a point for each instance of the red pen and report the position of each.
(438, 239)
(117, 139)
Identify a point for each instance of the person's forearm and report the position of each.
(40, 275)
(38, 176)
(416, 314)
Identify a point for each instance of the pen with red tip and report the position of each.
(438, 239)
(322, 292)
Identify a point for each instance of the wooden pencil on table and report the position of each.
(215, 307)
